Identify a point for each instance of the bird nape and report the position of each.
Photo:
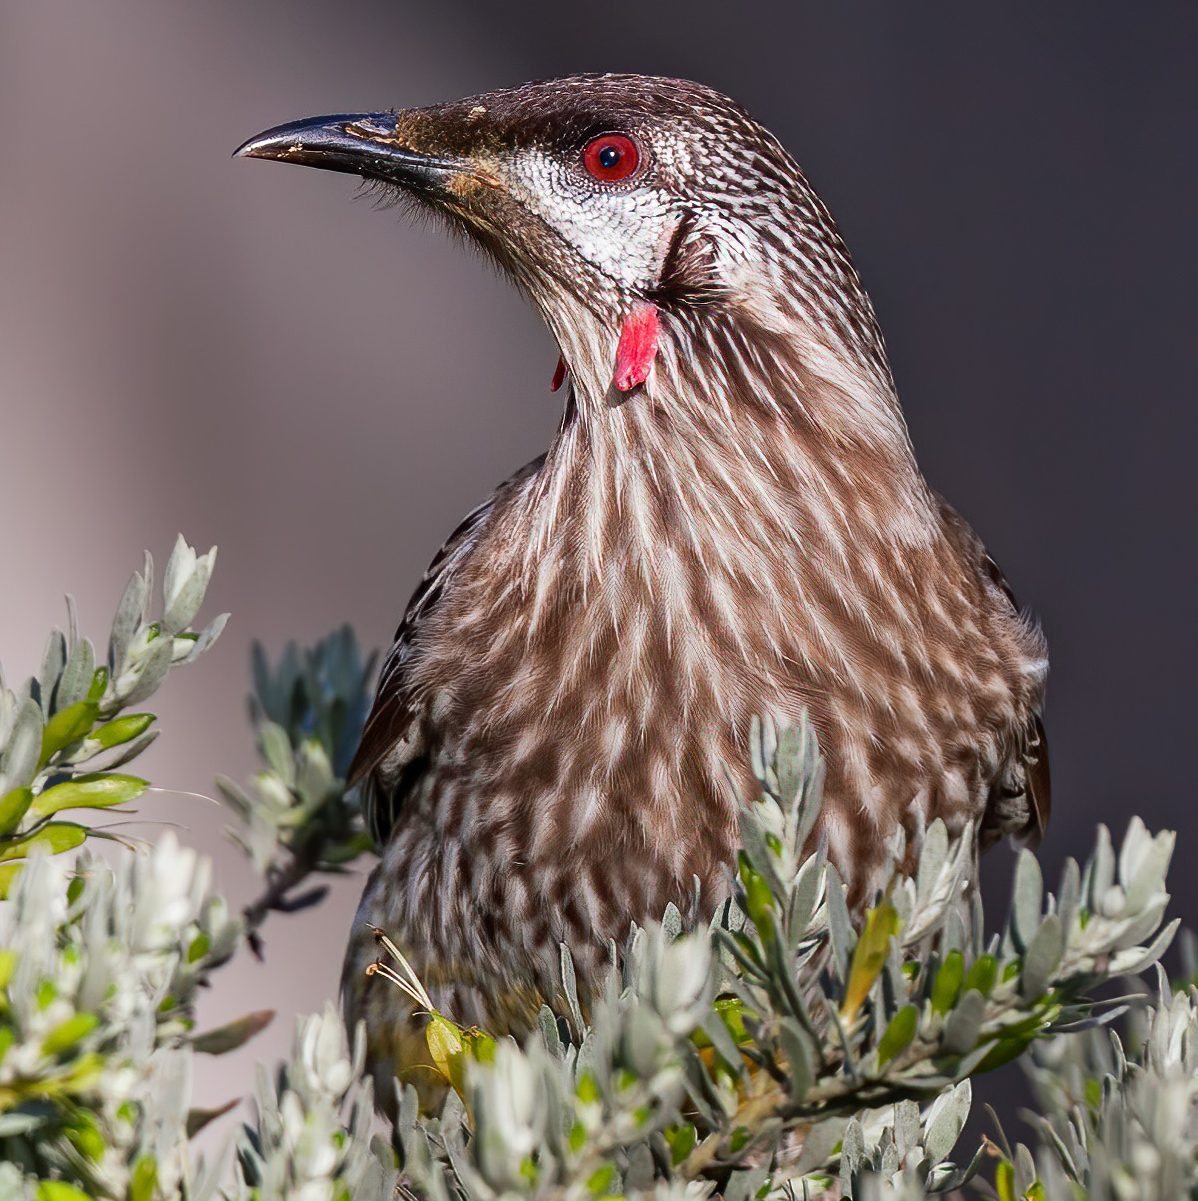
(730, 521)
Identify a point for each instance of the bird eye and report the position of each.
(611, 157)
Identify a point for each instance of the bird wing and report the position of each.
(1020, 803)
(393, 753)
(1038, 784)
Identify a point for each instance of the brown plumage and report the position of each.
(558, 746)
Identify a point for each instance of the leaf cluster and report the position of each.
(99, 976)
(786, 1047)
(66, 730)
(795, 1047)
(295, 820)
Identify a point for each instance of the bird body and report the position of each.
(729, 522)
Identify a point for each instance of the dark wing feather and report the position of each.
(1035, 785)
(1021, 803)
(392, 755)
(1039, 784)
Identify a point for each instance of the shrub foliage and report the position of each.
(782, 1051)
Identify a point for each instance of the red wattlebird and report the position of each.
(729, 521)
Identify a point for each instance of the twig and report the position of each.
(279, 883)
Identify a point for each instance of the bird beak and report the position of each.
(366, 144)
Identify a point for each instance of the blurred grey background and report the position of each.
(239, 351)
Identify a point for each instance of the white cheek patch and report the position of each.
(618, 232)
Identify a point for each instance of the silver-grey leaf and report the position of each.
(964, 1023)
(1041, 958)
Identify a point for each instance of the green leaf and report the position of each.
(55, 838)
(66, 726)
(759, 901)
(131, 750)
(898, 1034)
(1002, 1052)
(445, 1045)
(1004, 1181)
(96, 791)
(587, 1088)
(99, 685)
(869, 956)
(602, 1179)
(59, 1190)
(480, 1046)
(949, 978)
(198, 947)
(86, 1137)
(13, 806)
(66, 1034)
(982, 975)
(681, 1141)
(8, 874)
(121, 730)
(732, 1011)
(144, 1179)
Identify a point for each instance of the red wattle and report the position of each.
(639, 336)
(559, 375)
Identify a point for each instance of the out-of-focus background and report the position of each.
(240, 351)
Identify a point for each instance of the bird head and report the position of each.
(631, 209)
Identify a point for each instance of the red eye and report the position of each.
(611, 157)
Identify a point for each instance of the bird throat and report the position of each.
(636, 350)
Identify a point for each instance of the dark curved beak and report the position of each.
(365, 144)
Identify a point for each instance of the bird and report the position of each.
(729, 521)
